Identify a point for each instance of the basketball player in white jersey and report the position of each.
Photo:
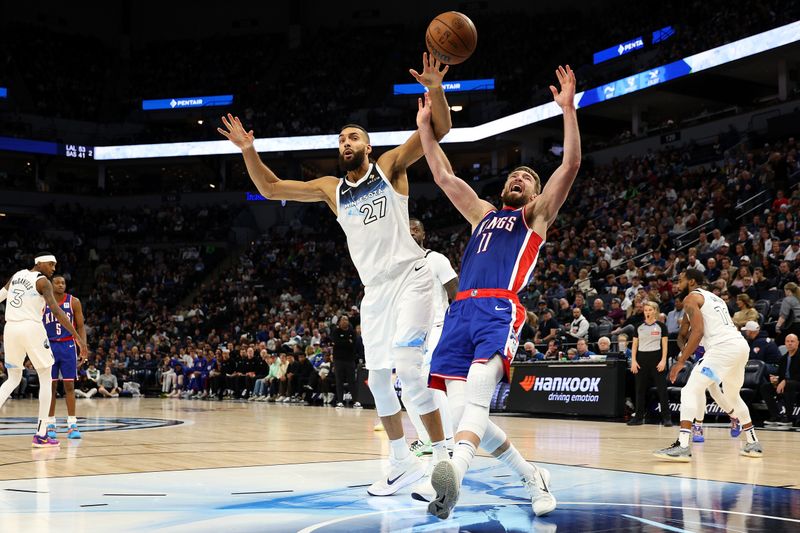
(445, 286)
(726, 355)
(27, 293)
(371, 204)
(715, 392)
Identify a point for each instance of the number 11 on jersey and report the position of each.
(485, 238)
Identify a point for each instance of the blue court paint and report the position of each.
(323, 499)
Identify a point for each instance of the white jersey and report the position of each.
(24, 301)
(442, 273)
(718, 327)
(374, 218)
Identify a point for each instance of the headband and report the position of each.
(45, 259)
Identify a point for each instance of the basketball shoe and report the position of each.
(401, 474)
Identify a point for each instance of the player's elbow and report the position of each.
(572, 164)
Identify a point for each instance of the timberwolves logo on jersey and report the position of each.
(365, 199)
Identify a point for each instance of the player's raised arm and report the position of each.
(463, 197)
(45, 288)
(266, 181)
(400, 158)
(544, 208)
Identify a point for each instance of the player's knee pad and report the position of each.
(693, 396)
(482, 381)
(493, 437)
(415, 389)
(382, 388)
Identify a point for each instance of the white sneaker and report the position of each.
(357, 405)
(542, 500)
(401, 474)
(340, 405)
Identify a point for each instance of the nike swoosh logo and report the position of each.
(496, 308)
(391, 481)
(345, 190)
(417, 268)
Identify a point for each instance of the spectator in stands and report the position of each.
(649, 363)
(746, 313)
(582, 348)
(598, 311)
(579, 327)
(273, 379)
(784, 384)
(107, 384)
(674, 318)
(615, 314)
(564, 312)
(761, 346)
(604, 346)
(553, 351)
(789, 319)
(547, 329)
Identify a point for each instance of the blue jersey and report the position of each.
(55, 331)
(501, 253)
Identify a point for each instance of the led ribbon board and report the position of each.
(715, 57)
(187, 102)
(448, 86)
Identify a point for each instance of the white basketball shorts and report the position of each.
(27, 337)
(396, 313)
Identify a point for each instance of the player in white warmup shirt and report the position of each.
(27, 293)
(726, 355)
(445, 286)
(371, 205)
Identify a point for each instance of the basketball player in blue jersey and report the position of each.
(62, 343)
(371, 205)
(481, 328)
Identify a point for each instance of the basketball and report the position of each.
(451, 37)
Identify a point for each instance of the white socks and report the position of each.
(398, 449)
(462, 457)
(684, 436)
(514, 460)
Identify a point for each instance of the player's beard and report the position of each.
(683, 294)
(516, 201)
(355, 162)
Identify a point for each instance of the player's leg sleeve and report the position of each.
(408, 362)
(14, 377)
(382, 388)
(481, 383)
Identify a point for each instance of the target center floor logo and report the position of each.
(27, 425)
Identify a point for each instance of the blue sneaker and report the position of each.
(697, 433)
(736, 427)
(73, 432)
(51, 431)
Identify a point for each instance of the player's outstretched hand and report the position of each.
(566, 78)
(424, 112)
(236, 133)
(432, 73)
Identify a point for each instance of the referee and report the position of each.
(649, 362)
